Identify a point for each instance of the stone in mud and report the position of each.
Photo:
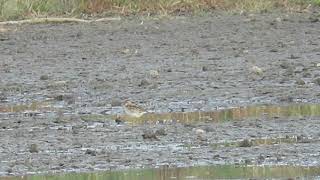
(205, 68)
(286, 99)
(33, 148)
(256, 70)
(144, 83)
(57, 85)
(115, 102)
(289, 71)
(91, 152)
(300, 82)
(313, 19)
(58, 98)
(274, 50)
(285, 65)
(122, 68)
(245, 143)
(59, 117)
(149, 135)
(118, 119)
(154, 73)
(294, 57)
(195, 52)
(3, 97)
(306, 75)
(44, 77)
(317, 81)
(70, 99)
(161, 132)
(169, 70)
(199, 132)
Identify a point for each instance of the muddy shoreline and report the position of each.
(166, 65)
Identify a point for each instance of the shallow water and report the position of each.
(236, 113)
(202, 172)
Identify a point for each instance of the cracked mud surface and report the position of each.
(175, 64)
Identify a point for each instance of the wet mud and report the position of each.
(61, 86)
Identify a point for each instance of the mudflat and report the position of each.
(52, 75)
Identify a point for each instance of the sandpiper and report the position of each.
(133, 109)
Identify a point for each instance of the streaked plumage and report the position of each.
(132, 109)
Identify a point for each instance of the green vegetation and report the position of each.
(20, 9)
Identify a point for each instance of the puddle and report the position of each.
(238, 113)
(202, 172)
(23, 108)
(263, 141)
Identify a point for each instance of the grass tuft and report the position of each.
(20, 9)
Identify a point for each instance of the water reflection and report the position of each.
(261, 141)
(268, 111)
(237, 113)
(204, 172)
(34, 107)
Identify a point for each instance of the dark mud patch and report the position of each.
(178, 65)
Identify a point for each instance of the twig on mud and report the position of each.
(57, 20)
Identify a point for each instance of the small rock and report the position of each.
(57, 84)
(154, 73)
(149, 135)
(75, 131)
(70, 99)
(205, 68)
(300, 82)
(289, 71)
(243, 13)
(161, 132)
(44, 77)
(317, 81)
(169, 70)
(125, 51)
(247, 161)
(274, 50)
(9, 170)
(195, 52)
(256, 70)
(115, 102)
(91, 152)
(199, 132)
(261, 158)
(285, 65)
(122, 68)
(33, 148)
(245, 143)
(278, 19)
(294, 57)
(313, 19)
(144, 83)
(118, 119)
(3, 97)
(306, 75)
(59, 117)
(59, 98)
(318, 64)
(286, 99)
